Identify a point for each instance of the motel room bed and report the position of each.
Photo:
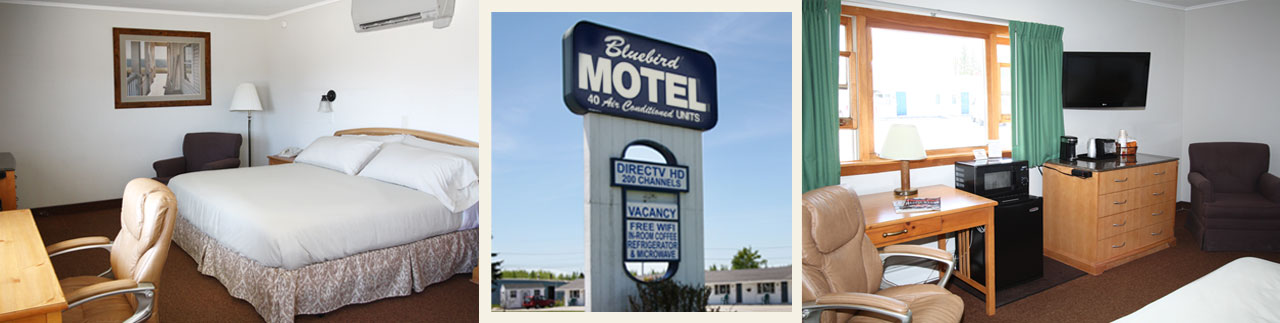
(1243, 290)
(308, 238)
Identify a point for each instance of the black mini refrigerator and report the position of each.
(1019, 243)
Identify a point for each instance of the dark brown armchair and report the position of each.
(1235, 203)
(201, 151)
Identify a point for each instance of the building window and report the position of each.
(765, 288)
(512, 294)
(575, 294)
(537, 293)
(722, 289)
(948, 77)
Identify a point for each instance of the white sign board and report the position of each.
(650, 176)
(652, 240)
(652, 211)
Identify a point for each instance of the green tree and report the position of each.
(748, 258)
(496, 266)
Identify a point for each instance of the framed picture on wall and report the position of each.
(160, 68)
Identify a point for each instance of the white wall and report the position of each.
(406, 77)
(57, 114)
(1090, 25)
(57, 111)
(1231, 65)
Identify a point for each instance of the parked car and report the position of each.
(538, 302)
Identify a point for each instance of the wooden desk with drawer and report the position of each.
(1123, 212)
(29, 289)
(960, 211)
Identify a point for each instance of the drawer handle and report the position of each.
(1126, 221)
(1158, 174)
(1120, 202)
(890, 234)
(1126, 179)
(1157, 194)
(1121, 245)
(1157, 213)
(1158, 233)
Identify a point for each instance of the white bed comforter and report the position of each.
(1244, 290)
(296, 214)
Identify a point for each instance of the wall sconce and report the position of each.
(326, 101)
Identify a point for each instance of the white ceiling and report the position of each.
(1186, 4)
(260, 8)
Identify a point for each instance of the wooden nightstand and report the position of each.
(8, 183)
(277, 160)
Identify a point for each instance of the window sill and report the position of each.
(877, 165)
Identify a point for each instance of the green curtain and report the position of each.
(1037, 91)
(820, 162)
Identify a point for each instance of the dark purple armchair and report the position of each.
(201, 151)
(1235, 203)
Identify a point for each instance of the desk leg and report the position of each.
(991, 262)
(942, 244)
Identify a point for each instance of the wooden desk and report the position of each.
(960, 211)
(29, 289)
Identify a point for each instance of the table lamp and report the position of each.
(903, 143)
(246, 99)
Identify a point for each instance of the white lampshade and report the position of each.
(325, 107)
(902, 143)
(246, 98)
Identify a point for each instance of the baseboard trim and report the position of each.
(78, 207)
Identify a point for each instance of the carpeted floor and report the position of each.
(1117, 292)
(1054, 273)
(188, 296)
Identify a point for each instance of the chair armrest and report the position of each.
(221, 164)
(1202, 185)
(170, 167)
(82, 294)
(1269, 186)
(935, 254)
(78, 244)
(144, 293)
(862, 302)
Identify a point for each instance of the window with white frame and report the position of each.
(765, 288)
(722, 289)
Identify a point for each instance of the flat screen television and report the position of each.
(1099, 80)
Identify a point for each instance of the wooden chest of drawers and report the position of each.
(1121, 213)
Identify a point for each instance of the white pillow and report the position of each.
(381, 139)
(450, 178)
(472, 154)
(346, 155)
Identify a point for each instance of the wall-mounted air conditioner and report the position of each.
(370, 15)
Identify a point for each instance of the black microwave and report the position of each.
(997, 179)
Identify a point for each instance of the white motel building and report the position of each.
(750, 286)
(728, 287)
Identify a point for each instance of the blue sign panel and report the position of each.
(652, 240)
(650, 176)
(622, 74)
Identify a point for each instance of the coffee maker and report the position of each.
(1067, 148)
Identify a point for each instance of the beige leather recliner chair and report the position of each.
(137, 259)
(843, 270)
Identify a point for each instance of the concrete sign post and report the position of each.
(635, 90)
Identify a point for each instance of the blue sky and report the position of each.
(537, 142)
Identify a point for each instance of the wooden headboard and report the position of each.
(426, 135)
